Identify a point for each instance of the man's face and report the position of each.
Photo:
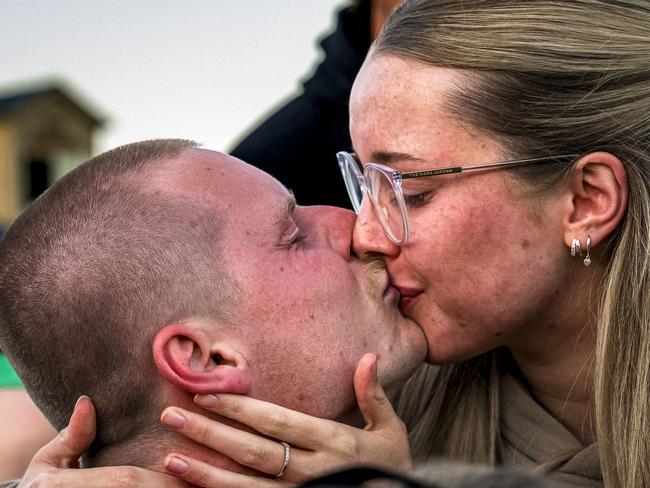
(309, 308)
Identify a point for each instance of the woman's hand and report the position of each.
(317, 446)
(53, 465)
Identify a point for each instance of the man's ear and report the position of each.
(598, 194)
(187, 357)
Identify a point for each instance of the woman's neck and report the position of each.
(561, 379)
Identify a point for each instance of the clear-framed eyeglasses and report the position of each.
(383, 186)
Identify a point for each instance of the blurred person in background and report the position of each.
(297, 143)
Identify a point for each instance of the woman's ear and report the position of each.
(187, 358)
(599, 192)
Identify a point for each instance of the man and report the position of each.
(158, 270)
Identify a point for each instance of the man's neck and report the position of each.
(150, 450)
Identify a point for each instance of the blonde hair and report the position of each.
(548, 77)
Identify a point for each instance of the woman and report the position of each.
(530, 279)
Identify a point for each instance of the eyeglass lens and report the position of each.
(384, 198)
(352, 177)
(381, 191)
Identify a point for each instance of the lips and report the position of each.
(408, 297)
(390, 292)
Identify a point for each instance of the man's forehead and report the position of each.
(194, 169)
(195, 165)
(215, 177)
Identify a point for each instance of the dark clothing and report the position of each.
(497, 478)
(298, 143)
(357, 476)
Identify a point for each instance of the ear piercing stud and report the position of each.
(576, 250)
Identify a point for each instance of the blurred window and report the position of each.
(38, 178)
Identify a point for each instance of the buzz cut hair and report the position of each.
(91, 271)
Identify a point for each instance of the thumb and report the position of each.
(373, 402)
(65, 449)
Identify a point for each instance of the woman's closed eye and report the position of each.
(416, 200)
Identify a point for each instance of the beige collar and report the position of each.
(531, 436)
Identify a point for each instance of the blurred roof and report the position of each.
(17, 99)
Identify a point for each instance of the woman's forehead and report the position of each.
(387, 77)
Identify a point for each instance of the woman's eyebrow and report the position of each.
(391, 157)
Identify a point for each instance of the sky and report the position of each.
(199, 69)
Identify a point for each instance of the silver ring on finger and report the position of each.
(287, 456)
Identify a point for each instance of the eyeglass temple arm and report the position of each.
(431, 172)
(460, 169)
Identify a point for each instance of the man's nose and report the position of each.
(368, 235)
(335, 225)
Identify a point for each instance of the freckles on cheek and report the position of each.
(486, 230)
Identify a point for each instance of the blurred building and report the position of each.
(44, 133)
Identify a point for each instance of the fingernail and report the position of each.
(176, 465)
(82, 397)
(173, 418)
(206, 400)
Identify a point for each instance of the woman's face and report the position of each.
(485, 265)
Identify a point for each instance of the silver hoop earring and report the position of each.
(587, 260)
(575, 248)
